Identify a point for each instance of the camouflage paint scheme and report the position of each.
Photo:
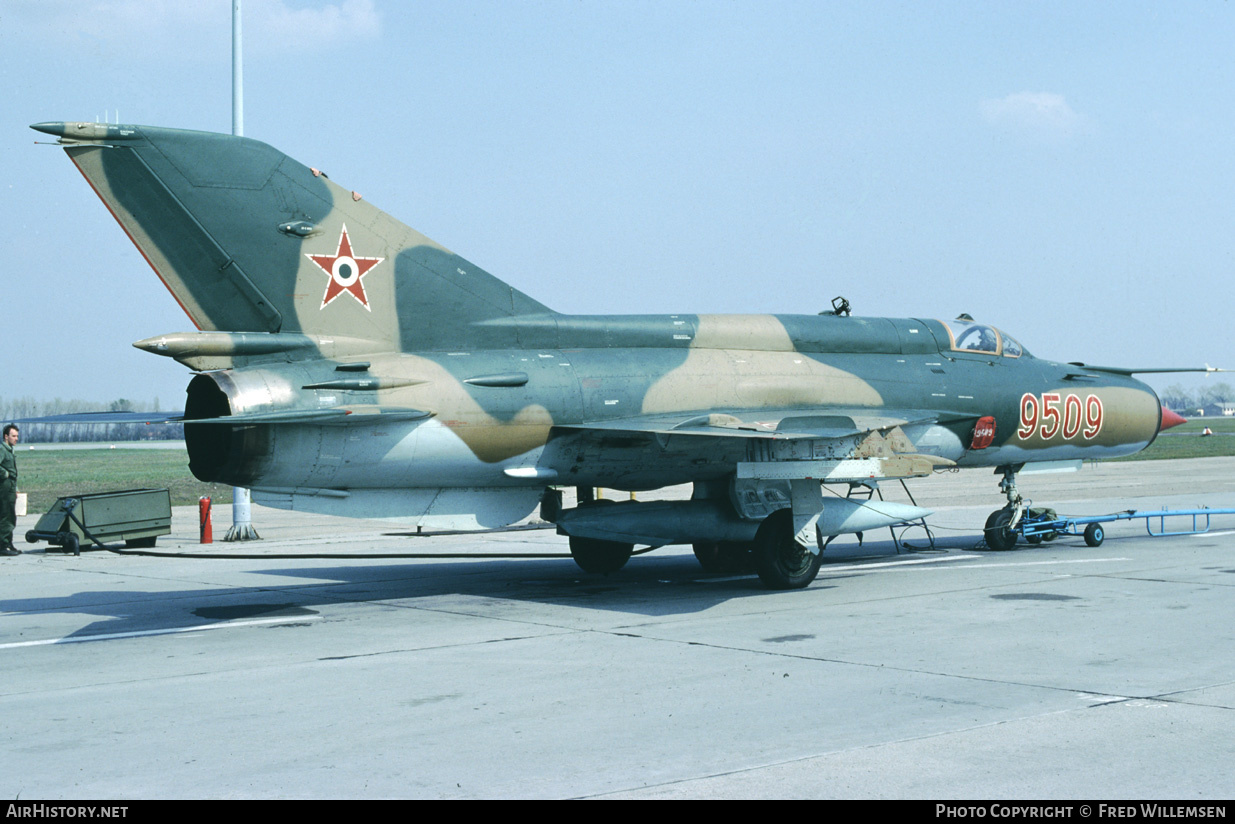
(348, 364)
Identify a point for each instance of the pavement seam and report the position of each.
(1113, 698)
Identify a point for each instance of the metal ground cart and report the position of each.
(135, 516)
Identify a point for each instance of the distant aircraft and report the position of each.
(347, 364)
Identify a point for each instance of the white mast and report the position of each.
(242, 512)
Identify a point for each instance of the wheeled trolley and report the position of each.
(136, 516)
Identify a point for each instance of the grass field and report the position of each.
(1185, 441)
(47, 474)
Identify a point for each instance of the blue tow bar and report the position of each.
(1035, 528)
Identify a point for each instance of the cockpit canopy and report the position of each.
(979, 338)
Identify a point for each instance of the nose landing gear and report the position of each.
(1000, 531)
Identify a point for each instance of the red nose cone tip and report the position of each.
(1170, 419)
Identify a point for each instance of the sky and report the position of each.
(1062, 170)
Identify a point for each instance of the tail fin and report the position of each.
(249, 240)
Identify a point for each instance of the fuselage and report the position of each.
(495, 412)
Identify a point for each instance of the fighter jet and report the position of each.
(346, 364)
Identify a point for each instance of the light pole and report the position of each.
(242, 506)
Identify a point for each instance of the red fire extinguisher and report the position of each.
(203, 512)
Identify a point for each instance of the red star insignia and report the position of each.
(345, 270)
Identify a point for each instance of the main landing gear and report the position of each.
(597, 555)
(600, 532)
(783, 563)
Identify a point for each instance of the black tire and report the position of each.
(595, 555)
(1033, 539)
(723, 556)
(707, 553)
(31, 537)
(551, 505)
(998, 536)
(1095, 534)
(783, 563)
(71, 544)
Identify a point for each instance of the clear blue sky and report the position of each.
(1062, 170)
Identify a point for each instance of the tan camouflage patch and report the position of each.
(712, 378)
(753, 332)
(372, 234)
(490, 439)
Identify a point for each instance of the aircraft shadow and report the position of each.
(649, 586)
(652, 585)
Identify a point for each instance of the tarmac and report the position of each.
(1056, 671)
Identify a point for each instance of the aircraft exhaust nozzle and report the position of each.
(844, 515)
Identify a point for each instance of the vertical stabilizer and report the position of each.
(249, 240)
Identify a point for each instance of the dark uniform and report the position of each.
(8, 496)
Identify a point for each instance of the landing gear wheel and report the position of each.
(707, 553)
(783, 563)
(723, 556)
(595, 555)
(1094, 534)
(998, 535)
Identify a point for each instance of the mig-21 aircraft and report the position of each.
(346, 364)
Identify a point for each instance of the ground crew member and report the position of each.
(8, 491)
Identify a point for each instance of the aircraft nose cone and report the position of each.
(1170, 419)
